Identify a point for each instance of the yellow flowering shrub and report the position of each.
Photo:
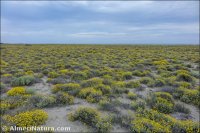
(147, 126)
(169, 122)
(69, 87)
(4, 106)
(90, 94)
(161, 62)
(132, 96)
(91, 117)
(16, 91)
(28, 118)
(7, 75)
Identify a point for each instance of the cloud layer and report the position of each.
(129, 22)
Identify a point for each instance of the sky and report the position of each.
(100, 22)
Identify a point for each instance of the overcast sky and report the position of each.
(100, 22)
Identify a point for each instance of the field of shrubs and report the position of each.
(101, 88)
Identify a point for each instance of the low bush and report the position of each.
(132, 96)
(147, 126)
(92, 82)
(170, 123)
(28, 118)
(181, 108)
(16, 91)
(64, 98)
(105, 89)
(105, 104)
(22, 81)
(187, 95)
(184, 77)
(4, 106)
(127, 75)
(161, 101)
(71, 88)
(146, 80)
(77, 76)
(41, 101)
(91, 117)
(159, 83)
(86, 115)
(90, 94)
(53, 74)
(2, 87)
(133, 84)
(137, 105)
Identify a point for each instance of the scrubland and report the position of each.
(101, 88)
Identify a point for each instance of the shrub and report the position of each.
(64, 98)
(71, 88)
(28, 118)
(86, 115)
(79, 76)
(90, 94)
(91, 117)
(137, 105)
(2, 87)
(187, 95)
(127, 75)
(161, 62)
(138, 73)
(92, 82)
(53, 74)
(161, 101)
(185, 85)
(22, 81)
(133, 84)
(163, 106)
(132, 96)
(146, 125)
(181, 108)
(164, 95)
(169, 122)
(103, 125)
(16, 91)
(41, 101)
(146, 80)
(105, 104)
(4, 106)
(184, 77)
(105, 89)
(159, 83)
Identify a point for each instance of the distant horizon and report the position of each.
(100, 22)
(90, 44)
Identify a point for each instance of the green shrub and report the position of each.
(2, 87)
(104, 88)
(132, 96)
(79, 76)
(86, 115)
(184, 77)
(105, 104)
(53, 74)
(133, 84)
(92, 82)
(137, 105)
(138, 73)
(146, 80)
(187, 95)
(159, 83)
(64, 98)
(127, 75)
(22, 81)
(103, 125)
(163, 106)
(148, 126)
(181, 108)
(71, 88)
(91, 117)
(41, 101)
